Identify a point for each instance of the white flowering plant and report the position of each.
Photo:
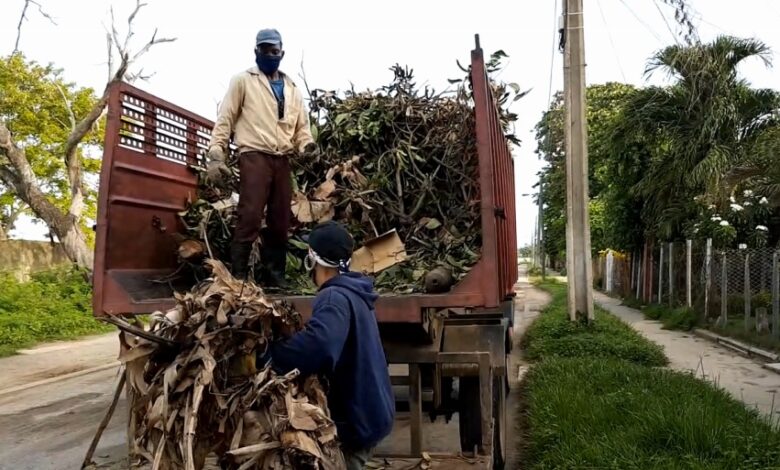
(742, 218)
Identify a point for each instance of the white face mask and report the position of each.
(312, 259)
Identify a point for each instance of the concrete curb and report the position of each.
(773, 367)
(738, 346)
(27, 386)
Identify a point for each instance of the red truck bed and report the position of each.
(146, 181)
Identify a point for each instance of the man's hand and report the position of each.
(310, 150)
(216, 170)
(216, 154)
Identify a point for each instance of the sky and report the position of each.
(346, 42)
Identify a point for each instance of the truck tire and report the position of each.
(470, 417)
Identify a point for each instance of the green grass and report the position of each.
(593, 399)
(553, 335)
(54, 305)
(681, 318)
(610, 413)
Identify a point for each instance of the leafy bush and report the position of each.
(535, 271)
(53, 305)
(633, 302)
(682, 318)
(553, 335)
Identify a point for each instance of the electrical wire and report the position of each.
(552, 55)
(666, 22)
(649, 29)
(611, 42)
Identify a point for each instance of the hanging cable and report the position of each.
(649, 29)
(666, 22)
(612, 42)
(552, 55)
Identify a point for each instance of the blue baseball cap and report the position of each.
(268, 36)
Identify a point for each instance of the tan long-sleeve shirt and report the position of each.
(250, 111)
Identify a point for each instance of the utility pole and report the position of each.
(542, 260)
(579, 269)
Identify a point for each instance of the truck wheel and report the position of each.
(470, 418)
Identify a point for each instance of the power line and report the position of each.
(649, 29)
(552, 55)
(666, 22)
(609, 35)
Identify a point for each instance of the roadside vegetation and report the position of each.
(53, 305)
(686, 319)
(613, 407)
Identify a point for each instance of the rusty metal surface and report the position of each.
(487, 338)
(146, 181)
(496, 173)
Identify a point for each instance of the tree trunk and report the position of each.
(65, 227)
(3, 233)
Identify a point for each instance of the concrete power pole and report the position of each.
(540, 234)
(578, 259)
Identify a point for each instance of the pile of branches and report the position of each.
(198, 388)
(397, 158)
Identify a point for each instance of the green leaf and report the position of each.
(433, 224)
(298, 244)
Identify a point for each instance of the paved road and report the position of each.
(49, 427)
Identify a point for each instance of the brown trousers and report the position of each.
(264, 181)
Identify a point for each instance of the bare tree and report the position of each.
(18, 173)
(23, 17)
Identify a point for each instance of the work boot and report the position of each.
(274, 263)
(239, 257)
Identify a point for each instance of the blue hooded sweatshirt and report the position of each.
(341, 341)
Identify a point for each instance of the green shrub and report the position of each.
(53, 305)
(554, 335)
(633, 302)
(534, 271)
(607, 413)
(682, 318)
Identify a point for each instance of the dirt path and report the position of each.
(529, 303)
(745, 379)
(42, 363)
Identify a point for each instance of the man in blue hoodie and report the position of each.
(341, 342)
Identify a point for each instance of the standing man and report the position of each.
(264, 111)
(341, 341)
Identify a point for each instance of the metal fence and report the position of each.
(722, 286)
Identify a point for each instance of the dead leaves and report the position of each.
(208, 394)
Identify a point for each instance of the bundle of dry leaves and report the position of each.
(197, 389)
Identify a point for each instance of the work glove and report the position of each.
(310, 150)
(217, 171)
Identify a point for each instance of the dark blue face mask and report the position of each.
(268, 64)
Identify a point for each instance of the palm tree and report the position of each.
(702, 129)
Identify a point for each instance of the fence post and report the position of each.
(671, 274)
(724, 290)
(747, 291)
(639, 276)
(775, 297)
(707, 277)
(661, 274)
(688, 272)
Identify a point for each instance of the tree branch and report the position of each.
(24, 182)
(23, 17)
(82, 128)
